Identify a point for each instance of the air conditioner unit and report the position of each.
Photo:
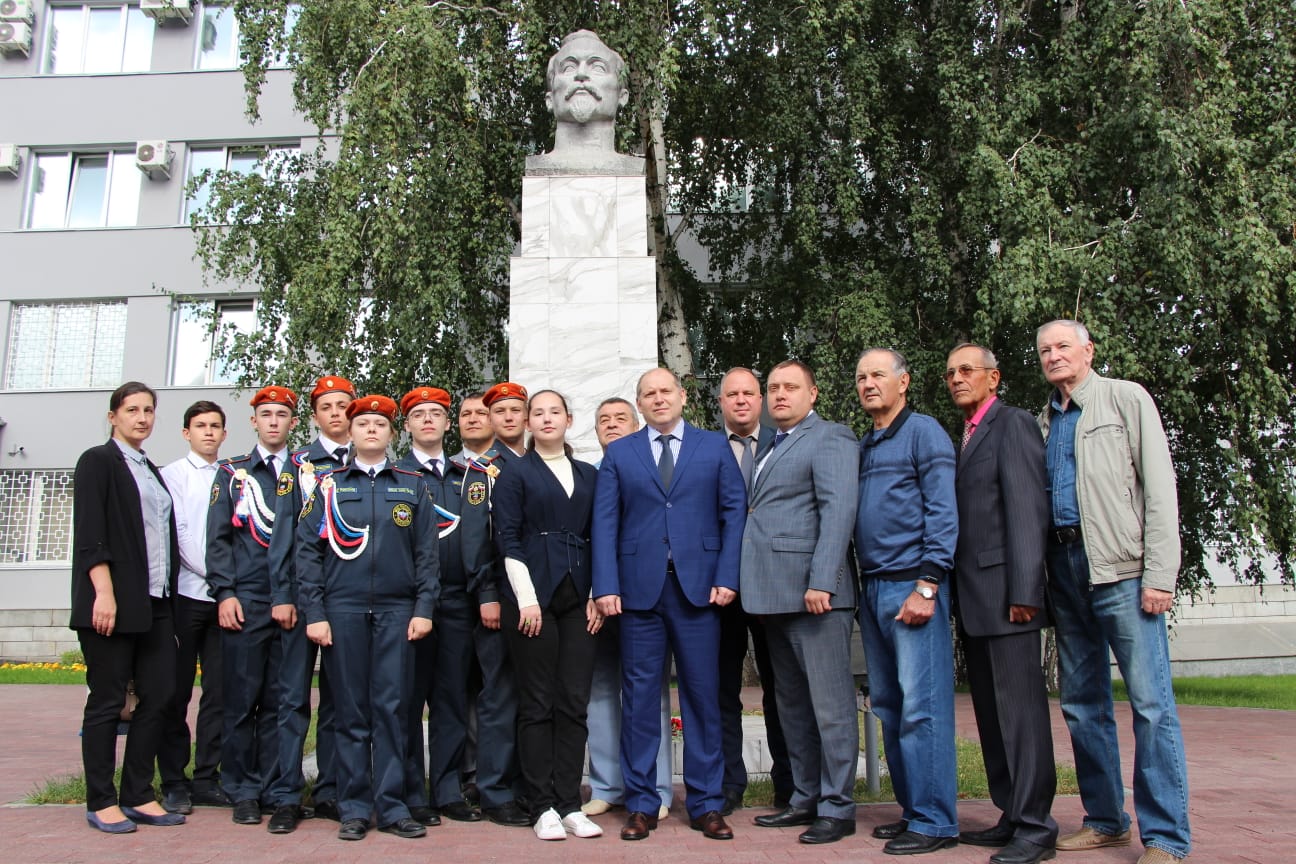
(10, 159)
(17, 10)
(15, 37)
(163, 11)
(154, 159)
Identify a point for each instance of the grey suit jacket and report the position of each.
(800, 516)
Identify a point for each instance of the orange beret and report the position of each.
(383, 405)
(504, 390)
(332, 384)
(273, 395)
(424, 394)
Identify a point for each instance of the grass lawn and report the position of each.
(1238, 691)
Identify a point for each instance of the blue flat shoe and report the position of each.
(166, 820)
(125, 826)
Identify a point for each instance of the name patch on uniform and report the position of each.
(403, 514)
(404, 490)
(476, 492)
(215, 494)
(285, 484)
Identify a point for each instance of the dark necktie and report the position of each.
(968, 427)
(434, 465)
(666, 463)
(372, 474)
(747, 463)
(340, 455)
(779, 438)
(269, 460)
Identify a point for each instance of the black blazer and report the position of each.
(535, 522)
(1003, 510)
(108, 527)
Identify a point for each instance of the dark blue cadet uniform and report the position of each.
(366, 559)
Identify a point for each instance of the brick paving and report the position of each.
(1240, 764)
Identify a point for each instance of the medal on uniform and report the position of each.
(306, 480)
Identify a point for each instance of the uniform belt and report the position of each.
(1064, 535)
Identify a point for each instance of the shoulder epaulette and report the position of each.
(405, 471)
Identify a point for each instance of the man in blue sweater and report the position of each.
(905, 534)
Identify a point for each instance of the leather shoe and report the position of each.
(826, 829)
(354, 829)
(999, 835)
(425, 816)
(733, 800)
(328, 810)
(177, 801)
(165, 820)
(911, 843)
(471, 794)
(407, 828)
(285, 819)
(1023, 852)
(461, 811)
(247, 812)
(510, 814)
(890, 830)
(125, 826)
(788, 818)
(712, 825)
(212, 796)
(638, 825)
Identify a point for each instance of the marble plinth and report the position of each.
(583, 294)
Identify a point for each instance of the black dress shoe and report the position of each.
(827, 830)
(471, 794)
(999, 835)
(637, 825)
(425, 816)
(354, 829)
(1023, 852)
(890, 830)
(177, 801)
(733, 800)
(285, 819)
(509, 814)
(712, 825)
(461, 811)
(165, 820)
(911, 843)
(327, 810)
(212, 796)
(407, 828)
(788, 818)
(247, 812)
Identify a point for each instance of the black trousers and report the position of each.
(253, 667)
(554, 671)
(734, 625)
(111, 663)
(197, 641)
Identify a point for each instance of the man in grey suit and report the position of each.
(795, 575)
(998, 590)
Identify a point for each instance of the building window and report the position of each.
(219, 37)
(86, 39)
(240, 160)
(65, 345)
(84, 190)
(35, 517)
(202, 337)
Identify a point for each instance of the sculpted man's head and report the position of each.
(586, 80)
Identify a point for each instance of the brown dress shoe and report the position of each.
(638, 825)
(712, 825)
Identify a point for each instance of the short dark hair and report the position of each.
(797, 364)
(202, 406)
(127, 390)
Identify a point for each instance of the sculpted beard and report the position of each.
(582, 104)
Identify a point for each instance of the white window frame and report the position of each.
(122, 37)
(121, 167)
(266, 151)
(53, 350)
(214, 333)
(226, 63)
(28, 551)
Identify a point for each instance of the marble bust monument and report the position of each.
(586, 84)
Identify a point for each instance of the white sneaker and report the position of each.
(579, 824)
(596, 807)
(549, 826)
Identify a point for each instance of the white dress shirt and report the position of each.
(190, 481)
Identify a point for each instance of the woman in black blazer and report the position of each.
(541, 507)
(125, 560)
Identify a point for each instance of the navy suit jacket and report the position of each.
(699, 521)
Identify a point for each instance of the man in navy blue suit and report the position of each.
(669, 512)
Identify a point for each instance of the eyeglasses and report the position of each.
(965, 370)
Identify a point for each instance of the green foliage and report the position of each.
(841, 174)
(1237, 691)
(68, 658)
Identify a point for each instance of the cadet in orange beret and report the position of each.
(366, 557)
(329, 399)
(508, 408)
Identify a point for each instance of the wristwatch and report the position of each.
(925, 590)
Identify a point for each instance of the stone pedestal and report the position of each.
(583, 304)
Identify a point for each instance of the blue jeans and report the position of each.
(911, 688)
(1090, 620)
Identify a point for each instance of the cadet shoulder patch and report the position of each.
(215, 496)
(285, 483)
(403, 515)
(476, 492)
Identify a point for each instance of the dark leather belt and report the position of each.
(1065, 535)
